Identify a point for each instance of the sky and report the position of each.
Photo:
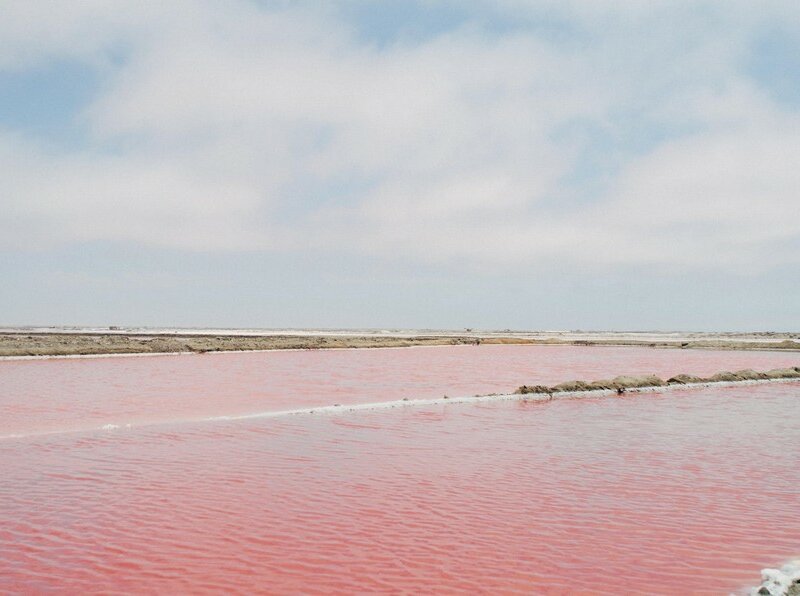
(571, 164)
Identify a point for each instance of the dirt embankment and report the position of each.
(54, 344)
(624, 383)
(95, 343)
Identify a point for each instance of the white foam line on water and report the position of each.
(538, 397)
(264, 351)
(92, 356)
(403, 403)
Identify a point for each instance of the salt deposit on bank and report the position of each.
(779, 582)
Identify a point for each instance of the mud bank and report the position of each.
(65, 342)
(622, 384)
(68, 344)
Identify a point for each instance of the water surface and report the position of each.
(688, 491)
(60, 395)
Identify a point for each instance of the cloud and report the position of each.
(34, 32)
(720, 197)
(243, 127)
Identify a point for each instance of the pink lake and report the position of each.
(688, 491)
(58, 395)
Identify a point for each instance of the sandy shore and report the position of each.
(16, 342)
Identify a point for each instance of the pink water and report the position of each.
(39, 396)
(683, 492)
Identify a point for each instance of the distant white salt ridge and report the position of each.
(779, 582)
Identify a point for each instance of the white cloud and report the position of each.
(34, 32)
(230, 127)
(717, 198)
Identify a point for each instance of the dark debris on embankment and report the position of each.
(622, 384)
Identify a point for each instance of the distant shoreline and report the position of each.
(47, 342)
